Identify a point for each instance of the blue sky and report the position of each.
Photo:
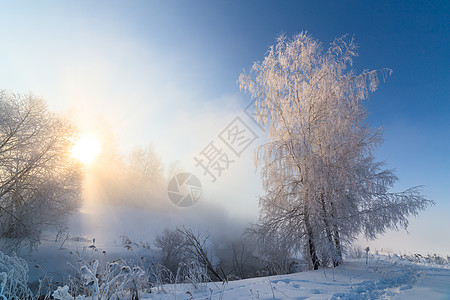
(165, 72)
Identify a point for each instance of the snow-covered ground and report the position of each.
(384, 277)
(381, 278)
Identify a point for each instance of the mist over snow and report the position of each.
(107, 223)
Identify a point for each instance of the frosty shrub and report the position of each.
(13, 277)
(275, 255)
(62, 293)
(194, 273)
(430, 259)
(160, 276)
(196, 248)
(112, 281)
(190, 271)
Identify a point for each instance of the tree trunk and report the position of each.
(334, 250)
(312, 252)
(337, 241)
(311, 247)
(338, 247)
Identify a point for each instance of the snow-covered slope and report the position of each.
(381, 278)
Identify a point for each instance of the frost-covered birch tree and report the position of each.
(323, 185)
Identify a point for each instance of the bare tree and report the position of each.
(39, 181)
(196, 247)
(322, 184)
(145, 164)
(240, 258)
(133, 179)
(172, 244)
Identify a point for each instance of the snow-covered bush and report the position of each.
(191, 272)
(194, 273)
(62, 293)
(430, 259)
(160, 276)
(13, 277)
(198, 248)
(112, 281)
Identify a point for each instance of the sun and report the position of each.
(86, 149)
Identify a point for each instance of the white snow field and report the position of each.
(381, 278)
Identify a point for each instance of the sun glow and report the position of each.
(86, 149)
